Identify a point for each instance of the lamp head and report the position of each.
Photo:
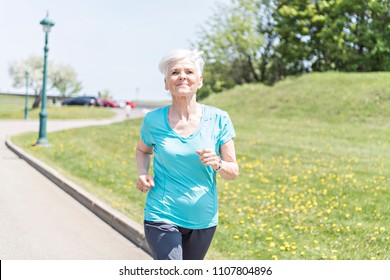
(47, 23)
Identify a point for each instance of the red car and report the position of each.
(110, 103)
(131, 104)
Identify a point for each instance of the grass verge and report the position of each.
(12, 108)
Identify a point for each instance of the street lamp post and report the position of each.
(47, 24)
(26, 104)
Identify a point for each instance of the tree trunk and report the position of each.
(252, 68)
(37, 101)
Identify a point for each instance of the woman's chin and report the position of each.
(183, 93)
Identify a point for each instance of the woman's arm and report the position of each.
(226, 165)
(143, 157)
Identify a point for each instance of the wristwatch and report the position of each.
(219, 166)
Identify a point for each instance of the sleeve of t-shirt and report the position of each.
(146, 136)
(226, 129)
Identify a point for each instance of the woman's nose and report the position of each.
(182, 75)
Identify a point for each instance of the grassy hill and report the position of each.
(314, 165)
(329, 97)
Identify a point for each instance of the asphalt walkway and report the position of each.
(39, 220)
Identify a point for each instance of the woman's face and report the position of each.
(183, 78)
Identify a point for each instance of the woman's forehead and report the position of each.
(182, 63)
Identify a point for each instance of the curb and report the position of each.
(130, 229)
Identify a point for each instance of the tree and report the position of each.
(61, 77)
(231, 43)
(365, 31)
(270, 66)
(34, 66)
(64, 79)
(344, 35)
(105, 94)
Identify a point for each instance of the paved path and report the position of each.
(38, 220)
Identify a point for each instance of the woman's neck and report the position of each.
(184, 108)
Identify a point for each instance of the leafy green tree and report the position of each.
(365, 31)
(64, 79)
(60, 77)
(270, 62)
(231, 43)
(34, 66)
(105, 94)
(345, 35)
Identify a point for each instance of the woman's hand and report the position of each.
(209, 158)
(228, 167)
(145, 183)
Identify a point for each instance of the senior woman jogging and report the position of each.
(190, 143)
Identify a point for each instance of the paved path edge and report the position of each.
(130, 229)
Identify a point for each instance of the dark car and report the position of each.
(83, 101)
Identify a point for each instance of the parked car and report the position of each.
(110, 103)
(131, 104)
(83, 100)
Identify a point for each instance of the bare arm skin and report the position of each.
(143, 157)
(229, 169)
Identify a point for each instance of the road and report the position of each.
(40, 221)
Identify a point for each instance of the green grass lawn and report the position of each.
(314, 163)
(12, 108)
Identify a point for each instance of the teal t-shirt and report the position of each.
(185, 192)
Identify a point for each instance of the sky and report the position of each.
(113, 45)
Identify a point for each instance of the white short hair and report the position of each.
(193, 55)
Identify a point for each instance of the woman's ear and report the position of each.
(166, 85)
(200, 82)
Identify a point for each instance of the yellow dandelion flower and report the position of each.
(264, 180)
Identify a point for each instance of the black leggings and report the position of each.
(170, 242)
